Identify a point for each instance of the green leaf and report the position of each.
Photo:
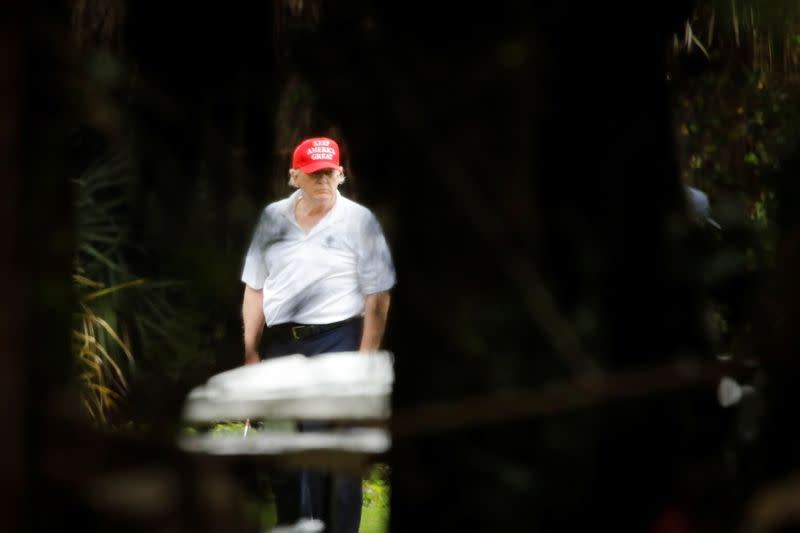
(92, 251)
(108, 290)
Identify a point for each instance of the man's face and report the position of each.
(319, 186)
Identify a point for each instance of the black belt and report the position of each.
(303, 331)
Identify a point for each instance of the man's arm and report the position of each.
(376, 309)
(253, 320)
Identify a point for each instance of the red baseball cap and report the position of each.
(315, 154)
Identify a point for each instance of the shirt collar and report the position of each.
(333, 215)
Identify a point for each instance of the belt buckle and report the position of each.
(295, 336)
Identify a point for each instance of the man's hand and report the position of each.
(251, 357)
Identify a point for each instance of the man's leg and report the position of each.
(285, 483)
(286, 490)
(341, 493)
(347, 503)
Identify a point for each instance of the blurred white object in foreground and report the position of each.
(304, 525)
(730, 392)
(353, 440)
(331, 386)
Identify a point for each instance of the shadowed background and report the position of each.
(555, 368)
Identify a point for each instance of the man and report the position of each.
(317, 274)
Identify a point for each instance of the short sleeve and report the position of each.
(255, 272)
(376, 271)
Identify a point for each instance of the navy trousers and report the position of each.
(323, 495)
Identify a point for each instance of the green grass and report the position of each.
(375, 511)
(374, 519)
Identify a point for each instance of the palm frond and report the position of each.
(96, 254)
(98, 358)
(765, 29)
(83, 281)
(121, 316)
(700, 46)
(108, 290)
(109, 330)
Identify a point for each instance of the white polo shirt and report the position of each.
(322, 276)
